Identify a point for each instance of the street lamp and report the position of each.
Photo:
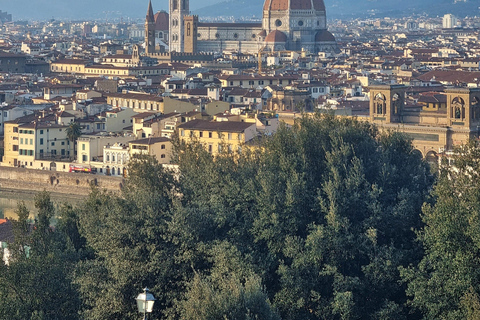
(145, 302)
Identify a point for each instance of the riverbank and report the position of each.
(75, 184)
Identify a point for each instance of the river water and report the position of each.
(9, 200)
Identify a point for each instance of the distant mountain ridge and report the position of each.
(354, 8)
(110, 9)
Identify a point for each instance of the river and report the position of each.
(9, 200)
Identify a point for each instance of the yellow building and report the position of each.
(215, 135)
(69, 66)
(435, 127)
(159, 147)
(10, 155)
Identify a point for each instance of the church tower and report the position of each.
(178, 10)
(150, 31)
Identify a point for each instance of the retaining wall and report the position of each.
(57, 182)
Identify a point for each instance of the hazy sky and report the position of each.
(87, 9)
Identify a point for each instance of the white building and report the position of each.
(449, 21)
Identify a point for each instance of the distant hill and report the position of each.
(354, 8)
(109, 9)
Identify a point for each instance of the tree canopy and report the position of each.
(317, 221)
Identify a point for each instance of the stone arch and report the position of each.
(432, 158)
(417, 153)
(458, 108)
(475, 107)
(396, 103)
(380, 104)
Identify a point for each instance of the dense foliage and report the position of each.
(323, 220)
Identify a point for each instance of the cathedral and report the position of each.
(292, 25)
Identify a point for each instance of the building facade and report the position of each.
(293, 25)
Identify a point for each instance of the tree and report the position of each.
(73, 133)
(36, 283)
(445, 284)
(230, 291)
(130, 245)
(337, 205)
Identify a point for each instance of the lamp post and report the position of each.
(145, 301)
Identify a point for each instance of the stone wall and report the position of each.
(57, 182)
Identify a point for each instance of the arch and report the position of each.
(417, 153)
(457, 110)
(189, 29)
(475, 108)
(396, 103)
(380, 104)
(432, 158)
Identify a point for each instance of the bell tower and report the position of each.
(149, 30)
(387, 103)
(463, 107)
(178, 10)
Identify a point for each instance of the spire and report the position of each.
(150, 16)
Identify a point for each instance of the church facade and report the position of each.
(291, 25)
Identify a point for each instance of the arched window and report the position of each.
(175, 4)
(380, 104)
(458, 108)
(396, 103)
(188, 29)
(475, 107)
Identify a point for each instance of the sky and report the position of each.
(86, 9)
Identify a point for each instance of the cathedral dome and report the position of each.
(276, 36)
(324, 36)
(280, 5)
(161, 21)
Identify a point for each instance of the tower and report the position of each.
(463, 107)
(387, 103)
(149, 30)
(190, 42)
(178, 10)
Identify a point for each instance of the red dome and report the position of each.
(318, 5)
(276, 36)
(262, 33)
(161, 21)
(324, 36)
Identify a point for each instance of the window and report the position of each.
(108, 157)
(21, 140)
(163, 146)
(31, 142)
(53, 144)
(229, 136)
(201, 134)
(41, 131)
(210, 148)
(84, 158)
(41, 140)
(113, 158)
(83, 146)
(182, 133)
(162, 156)
(15, 148)
(63, 143)
(41, 151)
(210, 134)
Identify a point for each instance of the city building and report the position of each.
(286, 25)
(449, 21)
